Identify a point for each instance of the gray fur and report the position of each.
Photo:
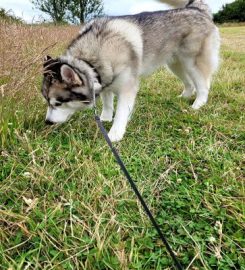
(111, 53)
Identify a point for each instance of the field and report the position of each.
(64, 204)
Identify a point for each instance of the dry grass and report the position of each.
(63, 201)
(233, 33)
(22, 50)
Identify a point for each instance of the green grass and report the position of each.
(64, 204)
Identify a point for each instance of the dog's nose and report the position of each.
(47, 122)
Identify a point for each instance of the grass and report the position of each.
(64, 204)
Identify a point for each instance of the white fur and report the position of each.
(62, 113)
(130, 32)
(59, 115)
(127, 88)
(107, 98)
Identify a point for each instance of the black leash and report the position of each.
(135, 189)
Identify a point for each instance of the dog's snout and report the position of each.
(47, 122)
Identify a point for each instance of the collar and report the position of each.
(104, 85)
(94, 68)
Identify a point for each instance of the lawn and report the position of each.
(64, 204)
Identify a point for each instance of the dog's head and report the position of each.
(67, 89)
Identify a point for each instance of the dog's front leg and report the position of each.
(108, 106)
(125, 105)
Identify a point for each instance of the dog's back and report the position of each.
(160, 34)
(167, 34)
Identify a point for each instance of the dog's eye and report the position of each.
(57, 104)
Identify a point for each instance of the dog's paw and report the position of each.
(115, 136)
(198, 104)
(106, 117)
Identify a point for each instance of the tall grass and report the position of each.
(22, 50)
(64, 203)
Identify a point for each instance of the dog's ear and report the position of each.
(70, 76)
(51, 66)
(47, 60)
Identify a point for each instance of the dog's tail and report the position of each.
(199, 4)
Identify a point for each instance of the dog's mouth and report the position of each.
(62, 112)
(58, 115)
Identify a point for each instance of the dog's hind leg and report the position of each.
(200, 82)
(177, 68)
(201, 68)
(208, 60)
(108, 106)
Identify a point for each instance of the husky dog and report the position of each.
(110, 54)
